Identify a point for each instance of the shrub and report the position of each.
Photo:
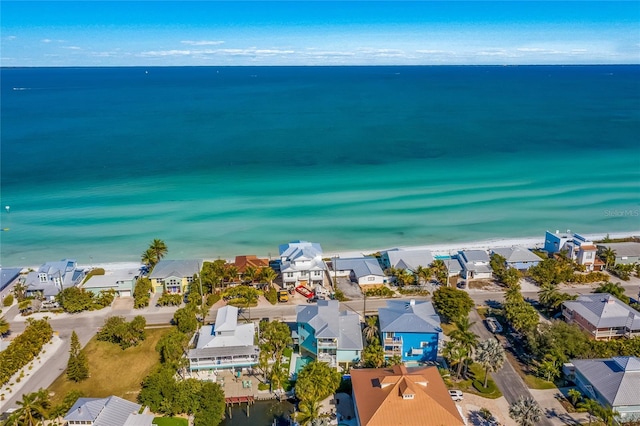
(379, 292)
(491, 387)
(96, 271)
(340, 297)
(213, 299)
(271, 295)
(417, 291)
(8, 301)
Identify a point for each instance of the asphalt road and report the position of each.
(86, 324)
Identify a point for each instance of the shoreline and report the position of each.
(437, 249)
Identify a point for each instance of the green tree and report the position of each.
(250, 273)
(158, 389)
(525, 411)
(440, 271)
(452, 304)
(511, 277)
(185, 319)
(316, 381)
(4, 326)
(609, 257)
(275, 336)
(172, 347)
(20, 291)
(268, 274)
(141, 293)
(574, 396)
(373, 355)
(32, 409)
(370, 331)
(590, 406)
(126, 334)
(548, 368)
(456, 355)
(74, 299)
(423, 274)
(616, 290)
(491, 356)
(404, 277)
(464, 338)
(159, 250)
(78, 364)
(212, 403)
(560, 340)
(498, 264)
(309, 411)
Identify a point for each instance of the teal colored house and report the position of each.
(410, 330)
(327, 335)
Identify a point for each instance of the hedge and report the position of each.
(24, 348)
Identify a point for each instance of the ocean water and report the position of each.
(221, 161)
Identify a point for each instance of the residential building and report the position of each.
(301, 264)
(8, 277)
(250, 260)
(518, 257)
(110, 411)
(403, 396)
(122, 281)
(53, 277)
(454, 267)
(626, 253)
(224, 345)
(405, 259)
(328, 335)
(410, 330)
(613, 382)
(602, 316)
(174, 276)
(365, 271)
(475, 264)
(576, 247)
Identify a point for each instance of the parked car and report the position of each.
(493, 325)
(456, 395)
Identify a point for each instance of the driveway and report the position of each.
(350, 289)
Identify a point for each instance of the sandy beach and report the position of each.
(437, 249)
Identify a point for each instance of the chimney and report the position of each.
(412, 302)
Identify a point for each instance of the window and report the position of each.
(289, 274)
(424, 344)
(371, 278)
(43, 278)
(317, 273)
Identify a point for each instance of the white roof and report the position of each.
(233, 335)
(300, 249)
(517, 254)
(111, 278)
(176, 268)
(110, 411)
(409, 259)
(361, 266)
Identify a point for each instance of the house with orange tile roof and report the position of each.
(403, 396)
(243, 262)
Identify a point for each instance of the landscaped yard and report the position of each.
(476, 372)
(170, 421)
(113, 371)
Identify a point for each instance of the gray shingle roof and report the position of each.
(475, 256)
(7, 276)
(409, 259)
(402, 316)
(328, 322)
(616, 379)
(361, 266)
(604, 310)
(517, 254)
(629, 249)
(176, 268)
(110, 411)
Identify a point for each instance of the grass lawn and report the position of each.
(530, 380)
(447, 328)
(170, 421)
(476, 372)
(113, 371)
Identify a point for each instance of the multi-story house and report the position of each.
(301, 264)
(328, 335)
(475, 264)
(576, 247)
(53, 277)
(410, 330)
(225, 345)
(602, 316)
(405, 259)
(365, 271)
(174, 276)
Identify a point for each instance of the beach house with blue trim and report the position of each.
(53, 277)
(328, 335)
(174, 276)
(410, 329)
(225, 345)
(518, 257)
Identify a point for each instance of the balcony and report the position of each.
(393, 341)
(327, 344)
(329, 359)
(390, 351)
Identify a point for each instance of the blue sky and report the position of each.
(150, 33)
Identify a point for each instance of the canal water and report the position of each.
(261, 413)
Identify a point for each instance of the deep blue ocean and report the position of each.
(220, 161)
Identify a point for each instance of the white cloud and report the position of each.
(72, 47)
(167, 53)
(492, 52)
(46, 40)
(202, 42)
(10, 37)
(252, 51)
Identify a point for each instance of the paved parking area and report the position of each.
(350, 289)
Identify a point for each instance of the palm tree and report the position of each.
(615, 290)
(309, 411)
(609, 257)
(456, 355)
(404, 277)
(4, 327)
(525, 411)
(490, 354)
(608, 415)
(423, 274)
(32, 409)
(159, 249)
(370, 331)
(20, 291)
(268, 274)
(574, 395)
(250, 273)
(548, 294)
(148, 258)
(440, 270)
(513, 293)
(590, 406)
(463, 337)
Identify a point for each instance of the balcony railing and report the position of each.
(222, 361)
(327, 344)
(393, 341)
(331, 360)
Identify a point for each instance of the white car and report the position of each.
(456, 395)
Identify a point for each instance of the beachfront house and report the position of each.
(174, 276)
(576, 247)
(602, 316)
(626, 253)
(224, 345)
(405, 259)
(109, 411)
(402, 395)
(475, 264)
(613, 382)
(53, 277)
(454, 267)
(122, 281)
(328, 335)
(410, 330)
(8, 277)
(365, 271)
(518, 257)
(301, 264)
(249, 261)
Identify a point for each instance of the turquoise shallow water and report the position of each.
(226, 161)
